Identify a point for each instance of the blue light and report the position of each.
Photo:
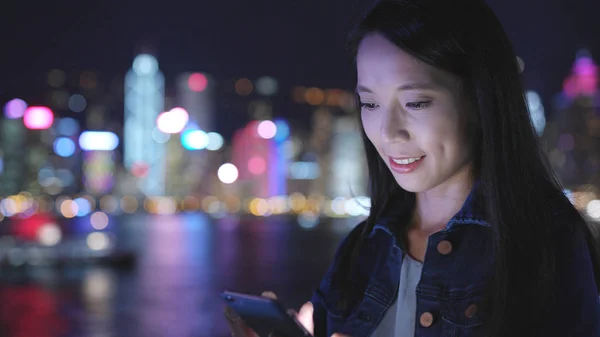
(194, 139)
(67, 127)
(84, 207)
(283, 130)
(304, 170)
(64, 147)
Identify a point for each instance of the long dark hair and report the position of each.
(524, 201)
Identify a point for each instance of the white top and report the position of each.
(399, 319)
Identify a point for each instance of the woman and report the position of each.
(469, 233)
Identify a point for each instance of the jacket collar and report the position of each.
(472, 212)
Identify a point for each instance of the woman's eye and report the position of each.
(418, 105)
(368, 106)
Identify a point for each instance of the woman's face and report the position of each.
(414, 115)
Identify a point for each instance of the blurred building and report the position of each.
(144, 101)
(12, 159)
(259, 155)
(348, 172)
(195, 93)
(188, 162)
(573, 136)
(99, 161)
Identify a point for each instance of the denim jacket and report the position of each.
(456, 270)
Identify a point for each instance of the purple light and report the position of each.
(585, 66)
(15, 108)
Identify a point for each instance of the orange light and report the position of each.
(243, 87)
(314, 96)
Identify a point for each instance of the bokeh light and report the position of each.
(98, 241)
(333, 97)
(56, 78)
(77, 103)
(15, 108)
(129, 204)
(172, 121)
(99, 220)
(194, 139)
(243, 87)
(109, 204)
(308, 220)
(257, 165)
(227, 173)
(69, 208)
(314, 96)
(49, 234)
(60, 99)
(215, 141)
(88, 80)
(593, 209)
(145, 64)
(65, 177)
(260, 207)
(283, 130)
(38, 118)
(140, 169)
(84, 205)
(197, 82)
(98, 141)
(64, 147)
(298, 94)
(67, 127)
(267, 129)
(266, 86)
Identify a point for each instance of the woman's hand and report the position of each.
(239, 329)
(305, 317)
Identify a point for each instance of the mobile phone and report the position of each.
(267, 317)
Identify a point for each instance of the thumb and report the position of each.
(340, 335)
(305, 317)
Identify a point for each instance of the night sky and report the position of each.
(297, 42)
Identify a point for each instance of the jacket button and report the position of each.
(444, 247)
(471, 311)
(365, 317)
(426, 319)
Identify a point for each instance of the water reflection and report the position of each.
(31, 310)
(175, 275)
(184, 262)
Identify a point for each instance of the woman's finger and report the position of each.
(269, 294)
(305, 317)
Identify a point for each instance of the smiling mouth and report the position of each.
(406, 161)
(405, 165)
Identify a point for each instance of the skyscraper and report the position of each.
(144, 101)
(259, 156)
(12, 140)
(195, 93)
(188, 170)
(348, 167)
